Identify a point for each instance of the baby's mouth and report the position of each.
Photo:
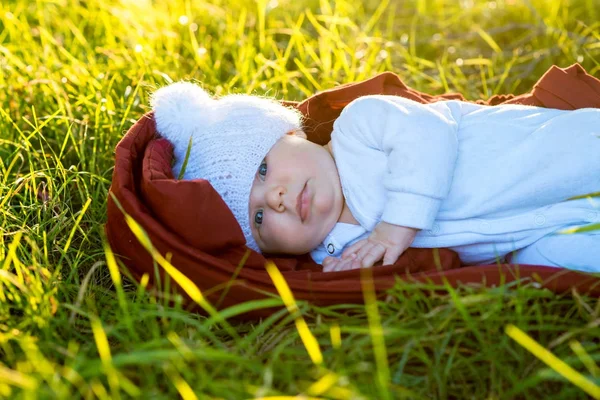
(300, 207)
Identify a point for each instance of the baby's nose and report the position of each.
(275, 198)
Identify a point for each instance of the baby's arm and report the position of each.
(421, 147)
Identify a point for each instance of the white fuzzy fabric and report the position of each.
(230, 138)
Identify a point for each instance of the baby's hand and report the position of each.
(332, 264)
(387, 240)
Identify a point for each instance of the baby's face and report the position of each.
(296, 197)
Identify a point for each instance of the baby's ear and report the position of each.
(298, 132)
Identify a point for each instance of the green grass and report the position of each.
(75, 75)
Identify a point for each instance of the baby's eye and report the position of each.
(258, 217)
(262, 169)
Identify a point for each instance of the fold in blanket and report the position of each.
(189, 222)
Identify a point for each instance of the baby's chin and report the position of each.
(296, 249)
(317, 238)
(308, 241)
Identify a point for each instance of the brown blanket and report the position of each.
(188, 220)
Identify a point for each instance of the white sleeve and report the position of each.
(421, 146)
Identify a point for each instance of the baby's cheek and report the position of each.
(294, 238)
(323, 201)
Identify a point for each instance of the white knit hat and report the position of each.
(230, 138)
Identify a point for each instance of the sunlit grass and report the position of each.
(75, 75)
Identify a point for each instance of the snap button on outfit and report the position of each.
(330, 248)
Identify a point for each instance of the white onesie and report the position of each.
(481, 180)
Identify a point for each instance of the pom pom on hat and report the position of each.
(180, 110)
(230, 138)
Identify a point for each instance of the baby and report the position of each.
(491, 183)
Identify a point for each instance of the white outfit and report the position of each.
(483, 181)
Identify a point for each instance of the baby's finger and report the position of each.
(329, 263)
(328, 260)
(360, 254)
(392, 255)
(374, 255)
(341, 265)
(354, 248)
(348, 264)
